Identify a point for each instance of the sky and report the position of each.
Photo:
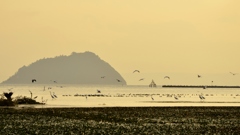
(181, 38)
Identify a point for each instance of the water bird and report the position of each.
(30, 93)
(136, 71)
(51, 95)
(152, 98)
(232, 73)
(8, 95)
(201, 97)
(98, 91)
(34, 80)
(54, 95)
(176, 97)
(199, 76)
(167, 77)
(44, 101)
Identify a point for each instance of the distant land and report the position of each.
(77, 68)
(199, 86)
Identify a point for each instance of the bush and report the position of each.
(6, 100)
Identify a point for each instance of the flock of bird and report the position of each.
(54, 96)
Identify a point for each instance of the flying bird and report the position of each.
(34, 80)
(233, 73)
(167, 77)
(98, 91)
(136, 71)
(118, 80)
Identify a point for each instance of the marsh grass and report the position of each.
(6, 100)
(121, 120)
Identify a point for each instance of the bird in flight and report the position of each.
(167, 77)
(136, 71)
(141, 79)
(118, 80)
(233, 73)
(34, 80)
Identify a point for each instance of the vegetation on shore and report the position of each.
(7, 100)
(121, 120)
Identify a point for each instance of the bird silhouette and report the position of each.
(118, 80)
(98, 91)
(34, 80)
(30, 93)
(199, 76)
(8, 95)
(136, 71)
(167, 77)
(52, 95)
(232, 73)
(201, 97)
(141, 79)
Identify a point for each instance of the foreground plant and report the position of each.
(7, 100)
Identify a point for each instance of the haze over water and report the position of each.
(112, 96)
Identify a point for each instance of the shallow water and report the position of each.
(110, 96)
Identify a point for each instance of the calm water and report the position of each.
(87, 95)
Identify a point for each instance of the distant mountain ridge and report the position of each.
(77, 68)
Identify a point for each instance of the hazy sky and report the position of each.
(158, 37)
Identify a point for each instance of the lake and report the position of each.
(120, 96)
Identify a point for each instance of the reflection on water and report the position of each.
(89, 96)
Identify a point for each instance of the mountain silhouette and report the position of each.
(77, 68)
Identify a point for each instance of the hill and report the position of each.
(77, 68)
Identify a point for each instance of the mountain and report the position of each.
(77, 68)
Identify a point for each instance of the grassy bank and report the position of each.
(121, 120)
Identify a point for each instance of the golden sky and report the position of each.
(154, 36)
